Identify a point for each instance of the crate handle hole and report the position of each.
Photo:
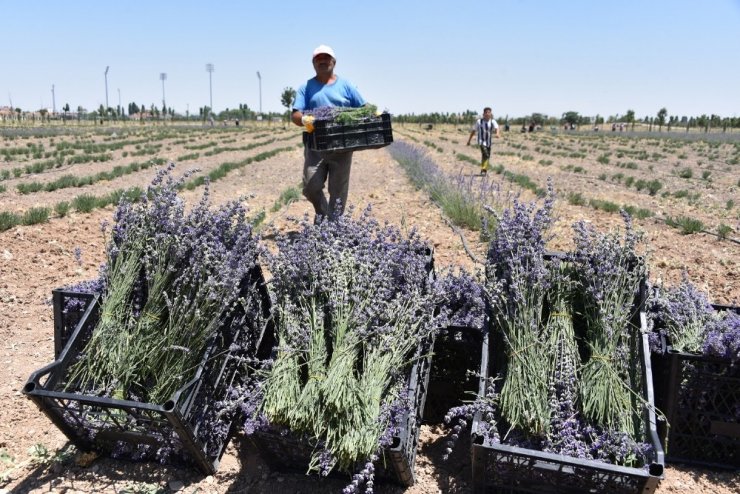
(656, 469)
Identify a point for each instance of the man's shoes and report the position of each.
(483, 173)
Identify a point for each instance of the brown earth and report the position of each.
(36, 259)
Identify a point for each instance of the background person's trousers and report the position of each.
(485, 152)
(317, 167)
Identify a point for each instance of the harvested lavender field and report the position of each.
(683, 194)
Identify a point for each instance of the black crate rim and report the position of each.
(569, 460)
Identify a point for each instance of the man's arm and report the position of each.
(472, 133)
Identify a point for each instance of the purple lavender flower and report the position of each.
(722, 337)
(78, 255)
(463, 299)
(486, 406)
(682, 314)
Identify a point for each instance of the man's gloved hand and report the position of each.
(307, 121)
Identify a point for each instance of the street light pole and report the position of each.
(106, 87)
(209, 69)
(260, 79)
(163, 77)
(53, 101)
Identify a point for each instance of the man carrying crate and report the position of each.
(326, 89)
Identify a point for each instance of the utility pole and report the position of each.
(106, 87)
(209, 69)
(53, 101)
(120, 108)
(260, 79)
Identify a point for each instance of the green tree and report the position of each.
(661, 118)
(703, 121)
(629, 118)
(571, 118)
(715, 121)
(538, 119)
(65, 109)
(287, 98)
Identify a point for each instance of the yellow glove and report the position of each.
(307, 121)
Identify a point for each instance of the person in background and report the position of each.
(325, 89)
(486, 128)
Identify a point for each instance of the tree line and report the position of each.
(574, 119)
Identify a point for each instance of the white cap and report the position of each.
(323, 49)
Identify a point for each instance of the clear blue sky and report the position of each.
(593, 57)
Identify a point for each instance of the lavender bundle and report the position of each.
(517, 281)
(682, 314)
(355, 305)
(559, 336)
(174, 281)
(463, 303)
(609, 273)
(343, 115)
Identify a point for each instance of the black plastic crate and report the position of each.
(288, 452)
(69, 307)
(179, 430)
(700, 396)
(498, 468)
(454, 376)
(368, 133)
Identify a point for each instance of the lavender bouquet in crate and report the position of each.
(696, 355)
(171, 281)
(564, 376)
(353, 307)
(690, 324)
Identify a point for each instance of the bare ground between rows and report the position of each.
(12, 200)
(34, 260)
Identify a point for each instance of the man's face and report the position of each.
(487, 115)
(323, 63)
